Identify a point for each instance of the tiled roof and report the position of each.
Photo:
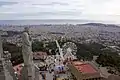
(18, 68)
(84, 67)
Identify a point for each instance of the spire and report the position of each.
(28, 72)
(6, 69)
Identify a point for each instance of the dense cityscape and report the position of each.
(59, 39)
(88, 51)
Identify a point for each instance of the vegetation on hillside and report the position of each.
(38, 46)
(109, 60)
(50, 47)
(84, 51)
(16, 52)
(87, 51)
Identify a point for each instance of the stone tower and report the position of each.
(6, 69)
(29, 69)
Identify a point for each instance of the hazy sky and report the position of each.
(106, 10)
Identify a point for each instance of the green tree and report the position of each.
(38, 46)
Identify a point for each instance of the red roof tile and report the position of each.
(84, 67)
(18, 68)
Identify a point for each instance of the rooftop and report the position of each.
(18, 68)
(84, 67)
(39, 55)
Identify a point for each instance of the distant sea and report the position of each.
(48, 21)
